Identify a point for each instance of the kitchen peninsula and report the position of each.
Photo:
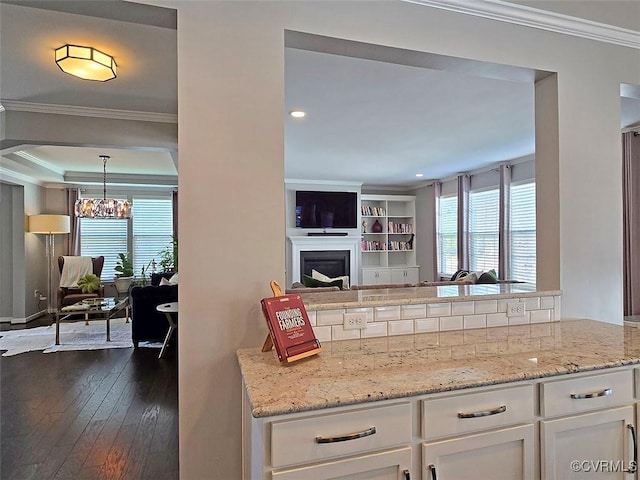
(513, 401)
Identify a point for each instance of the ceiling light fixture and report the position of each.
(103, 207)
(419, 174)
(298, 113)
(86, 63)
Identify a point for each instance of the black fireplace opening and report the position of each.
(332, 263)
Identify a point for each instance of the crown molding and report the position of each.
(541, 19)
(124, 179)
(18, 106)
(20, 178)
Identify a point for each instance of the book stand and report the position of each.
(268, 342)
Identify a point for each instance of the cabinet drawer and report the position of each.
(303, 440)
(562, 397)
(449, 416)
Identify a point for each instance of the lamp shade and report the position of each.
(50, 224)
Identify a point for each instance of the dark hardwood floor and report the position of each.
(103, 414)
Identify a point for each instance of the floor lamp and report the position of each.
(50, 225)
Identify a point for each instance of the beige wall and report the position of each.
(231, 176)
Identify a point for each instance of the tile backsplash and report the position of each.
(391, 320)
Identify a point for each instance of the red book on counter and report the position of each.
(290, 328)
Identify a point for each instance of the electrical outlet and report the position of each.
(515, 309)
(354, 321)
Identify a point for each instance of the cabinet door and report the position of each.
(506, 454)
(390, 465)
(405, 275)
(376, 276)
(597, 445)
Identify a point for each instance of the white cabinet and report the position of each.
(594, 445)
(524, 430)
(405, 275)
(356, 442)
(390, 465)
(376, 276)
(503, 454)
(573, 447)
(388, 236)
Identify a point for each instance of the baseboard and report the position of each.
(5, 319)
(23, 320)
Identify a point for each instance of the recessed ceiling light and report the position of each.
(298, 113)
(419, 174)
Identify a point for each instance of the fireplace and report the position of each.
(332, 263)
(324, 250)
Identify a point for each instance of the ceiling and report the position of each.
(376, 118)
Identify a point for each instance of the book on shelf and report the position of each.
(289, 327)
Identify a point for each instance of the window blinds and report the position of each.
(484, 209)
(447, 235)
(523, 232)
(152, 220)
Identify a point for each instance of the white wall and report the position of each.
(231, 173)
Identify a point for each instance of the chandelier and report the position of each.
(103, 207)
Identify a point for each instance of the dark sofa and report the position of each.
(147, 324)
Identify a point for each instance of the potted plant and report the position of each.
(169, 256)
(124, 267)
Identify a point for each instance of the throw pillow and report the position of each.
(459, 274)
(89, 283)
(174, 279)
(322, 277)
(312, 282)
(164, 281)
(488, 277)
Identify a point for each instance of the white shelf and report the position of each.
(399, 213)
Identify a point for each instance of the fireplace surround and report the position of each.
(325, 250)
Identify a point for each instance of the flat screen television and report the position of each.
(326, 209)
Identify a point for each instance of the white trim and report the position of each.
(17, 106)
(6, 173)
(342, 183)
(541, 19)
(319, 243)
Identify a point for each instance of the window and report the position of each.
(523, 232)
(151, 232)
(103, 237)
(484, 214)
(448, 235)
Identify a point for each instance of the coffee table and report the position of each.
(104, 308)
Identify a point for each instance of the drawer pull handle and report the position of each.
(344, 438)
(633, 468)
(406, 474)
(485, 413)
(604, 393)
(432, 469)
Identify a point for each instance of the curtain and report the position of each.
(174, 199)
(73, 239)
(464, 183)
(504, 242)
(631, 221)
(437, 191)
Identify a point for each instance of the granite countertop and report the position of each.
(367, 370)
(415, 295)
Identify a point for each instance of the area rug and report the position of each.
(73, 336)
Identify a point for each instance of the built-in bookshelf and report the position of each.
(388, 239)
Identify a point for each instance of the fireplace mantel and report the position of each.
(320, 243)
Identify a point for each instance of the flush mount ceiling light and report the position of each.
(419, 174)
(106, 208)
(86, 63)
(298, 113)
